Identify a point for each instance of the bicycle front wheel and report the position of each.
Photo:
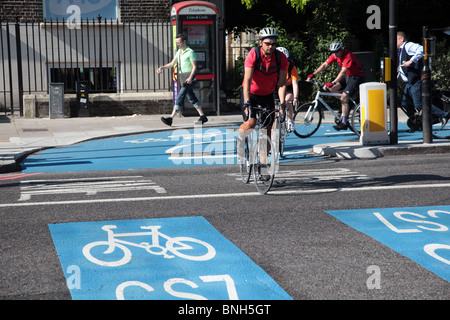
(264, 164)
(355, 120)
(307, 120)
(245, 167)
(439, 131)
(191, 249)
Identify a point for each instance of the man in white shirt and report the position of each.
(410, 67)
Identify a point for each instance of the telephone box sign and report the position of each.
(194, 8)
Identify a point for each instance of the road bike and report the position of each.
(309, 116)
(259, 154)
(183, 247)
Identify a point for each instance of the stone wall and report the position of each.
(37, 106)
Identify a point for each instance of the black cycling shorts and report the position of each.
(265, 102)
(351, 85)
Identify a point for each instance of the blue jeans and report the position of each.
(413, 93)
(189, 92)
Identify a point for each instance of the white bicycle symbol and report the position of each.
(173, 245)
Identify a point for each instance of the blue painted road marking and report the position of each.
(168, 149)
(162, 259)
(419, 233)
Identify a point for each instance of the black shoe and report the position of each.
(341, 126)
(202, 120)
(444, 120)
(167, 120)
(263, 172)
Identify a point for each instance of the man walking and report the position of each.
(410, 66)
(186, 60)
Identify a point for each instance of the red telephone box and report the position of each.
(197, 20)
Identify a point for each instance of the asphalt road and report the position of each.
(288, 233)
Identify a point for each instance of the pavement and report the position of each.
(20, 137)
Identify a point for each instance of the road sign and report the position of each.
(162, 259)
(419, 233)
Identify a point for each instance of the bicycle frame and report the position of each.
(318, 99)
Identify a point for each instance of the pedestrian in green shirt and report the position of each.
(186, 60)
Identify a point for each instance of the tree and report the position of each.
(296, 4)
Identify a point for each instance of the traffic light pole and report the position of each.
(426, 92)
(393, 130)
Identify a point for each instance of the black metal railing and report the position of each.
(113, 57)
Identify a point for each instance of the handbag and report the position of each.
(182, 77)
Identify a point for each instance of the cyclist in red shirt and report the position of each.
(263, 71)
(348, 79)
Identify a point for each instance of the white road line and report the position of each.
(85, 185)
(225, 195)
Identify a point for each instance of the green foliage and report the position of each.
(296, 48)
(324, 28)
(440, 66)
(307, 59)
(308, 33)
(296, 4)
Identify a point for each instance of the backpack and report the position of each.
(292, 64)
(272, 70)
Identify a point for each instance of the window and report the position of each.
(105, 81)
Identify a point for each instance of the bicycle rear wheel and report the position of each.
(307, 120)
(264, 164)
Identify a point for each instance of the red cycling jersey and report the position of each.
(349, 61)
(264, 84)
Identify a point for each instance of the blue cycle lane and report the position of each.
(167, 149)
(177, 148)
(419, 233)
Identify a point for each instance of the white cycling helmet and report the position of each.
(268, 33)
(336, 46)
(284, 50)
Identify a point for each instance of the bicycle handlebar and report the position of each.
(319, 85)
